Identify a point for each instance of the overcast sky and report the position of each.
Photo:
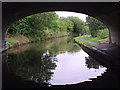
(66, 14)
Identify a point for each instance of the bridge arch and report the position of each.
(108, 13)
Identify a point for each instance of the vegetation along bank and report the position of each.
(48, 25)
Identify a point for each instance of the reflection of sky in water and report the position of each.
(71, 69)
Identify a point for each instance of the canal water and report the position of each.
(53, 62)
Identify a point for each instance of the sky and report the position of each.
(66, 14)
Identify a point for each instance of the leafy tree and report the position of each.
(78, 24)
(55, 25)
(86, 30)
(20, 27)
(62, 25)
(34, 25)
(69, 24)
(94, 25)
(43, 20)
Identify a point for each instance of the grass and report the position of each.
(81, 41)
(9, 41)
(92, 39)
(102, 34)
(16, 40)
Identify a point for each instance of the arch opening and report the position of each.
(53, 23)
(101, 11)
(51, 55)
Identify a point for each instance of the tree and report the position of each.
(33, 25)
(43, 20)
(94, 25)
(86, 30)
(69, 24)
(20, 27)
(55, 25)
(78, 24)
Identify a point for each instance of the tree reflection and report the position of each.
(61, 45)
(92, 63)
(38, 60)
(32, 65)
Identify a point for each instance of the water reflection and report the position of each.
(56, 62)
(34, 66)
(92, 63)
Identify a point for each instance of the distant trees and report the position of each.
(48, 24)
(66, 24)
(55, 25)
(78, 25)
(86, 29)
(94, 25)
(32, 23)
(42, 20)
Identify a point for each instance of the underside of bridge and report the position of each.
(108, 13)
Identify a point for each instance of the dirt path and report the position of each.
(92, 43)
(110, 49)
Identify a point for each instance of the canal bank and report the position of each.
(106, 54)
(22, 40)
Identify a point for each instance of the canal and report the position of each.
(54, 63)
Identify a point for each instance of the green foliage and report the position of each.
(94, 25)
(68, 24)
(81, 41)
(42, 20)
(103, 33)
(9, 41)
(55, 25)
(21, 27)
(44, 25)
(86, 30)
(100, 36)
(65, 25)
(29, 26)
(89, 38)
(78, 24)
(93, 39)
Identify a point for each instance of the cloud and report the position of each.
(67, 14)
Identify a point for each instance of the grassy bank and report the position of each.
(16, 40)
(81, 41)
(95, 39)
(91, 39)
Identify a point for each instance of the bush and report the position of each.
(9, 41)
(103, 33)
